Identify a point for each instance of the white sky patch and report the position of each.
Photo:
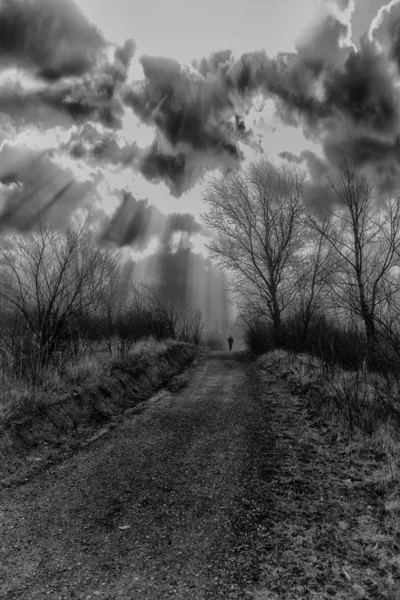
(188, 29)
(151, 248)
(345, 17)
(135, 131)
(119, 180)
(80, 170)
(108, 199)
(20, 78)
(199, 242)
(42, 139)
(286, 138)
(277, 137)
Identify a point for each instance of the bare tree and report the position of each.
(118, 303)
(314, 283)
(171, 315)
(51, 283)
(167, 307)
(258, 218)
(196, 326)
(191, 326)
(365, 235)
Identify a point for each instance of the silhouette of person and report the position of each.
(230, 342)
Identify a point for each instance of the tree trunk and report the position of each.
(372, 350)
(277, 328)
(304, 329)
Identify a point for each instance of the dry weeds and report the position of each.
(358, 415)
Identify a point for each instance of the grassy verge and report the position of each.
(64, 410)
(83, 369)
(360, 414)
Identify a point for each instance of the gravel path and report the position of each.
(147, 511)
(180, 501)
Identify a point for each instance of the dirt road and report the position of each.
(184, 500)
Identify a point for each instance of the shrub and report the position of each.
(258, 337)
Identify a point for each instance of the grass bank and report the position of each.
(358, 413)
(62, 413)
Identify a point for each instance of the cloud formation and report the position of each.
(66, 62)
(343, 98)
(199, 113)
(135, 222)
(358, 104)
(32, 186)
(51, 38)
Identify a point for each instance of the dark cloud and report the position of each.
(34, 186)
(325, 42)
(358, 111)
(216, 62)
(103, 147)
(52, 41)
(169, 168)
(125, 53)
(290, 157)
(179, 171)
(318, 192)
(195, 119)
(135, 222)
(89, 99)
(364, 91)
(346, 99)
(378, 158)
(343, 4)
(183, 223)
(343, 98)
(185, 107)
(99, 146)
(51, 38)
(200, 114)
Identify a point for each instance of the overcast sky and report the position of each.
(90, 87)
(187, 30)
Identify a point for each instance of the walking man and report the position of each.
(230, 342)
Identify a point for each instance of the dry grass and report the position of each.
(355, 403)
(361, 411)
(71, 406)
(84, 368)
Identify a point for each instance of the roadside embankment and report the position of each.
(34, 430)
(348, 425)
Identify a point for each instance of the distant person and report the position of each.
(230, 342)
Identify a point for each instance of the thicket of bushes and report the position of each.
(335, 343)
(64, 300)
